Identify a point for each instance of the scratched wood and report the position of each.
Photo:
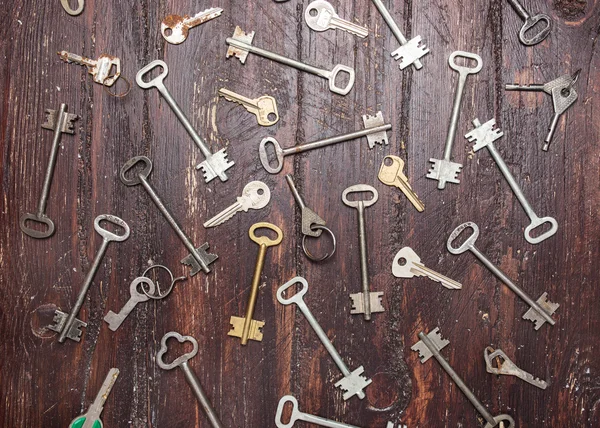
(45, 383)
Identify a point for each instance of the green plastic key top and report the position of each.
(91, 418)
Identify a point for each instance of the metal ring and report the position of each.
(173, 281)
(327, 255)
(113, 94)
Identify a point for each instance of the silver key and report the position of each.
(263, 107)
(175, 28)
(407, 264)
(106, 69)
(321, 16)
(115, 320)
(507, 367)
(91, 418)
(256, 195)
(297, 415)
(530, 22)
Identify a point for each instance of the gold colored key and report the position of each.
(246, 328)
(391, 174)
(264, 107)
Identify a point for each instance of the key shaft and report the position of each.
(260, 263)
(201, 396)
(334, 140)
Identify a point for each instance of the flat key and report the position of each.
(256, 195)
(263, 107)
(407, 264)
(91, 418)
(105, 70)
(175, 28)
(297, 415)
(530, 22)
(321, 16)
(115, 320)
(391, 173)
(506, 367)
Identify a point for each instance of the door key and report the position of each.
(297, 415)
(105, 70)
(91, 418)
(530, 22)
(264, 107)
(256, 195)
(507, 367)
(175, 28)
(393, 175)
(321, 16)
(407, 264)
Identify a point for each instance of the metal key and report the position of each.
(58, 121)
(375, 131)
(393, 175)
(256, 195)
(431, 345)
(484, 136)
(175, 28)
(297, 415)
(539, 312)
(68, 325)
(199, 258)
(444, 170)
(365, 302)
(407, 264)
(530, 22)
(215, 164)
(507, 367)
(91, 418)
(115, 320)
(240, 45)
(190, 376)
(100, 68)
(321, 16)
(246, 328)
(73, 12)
(352, 383)
(264, 107)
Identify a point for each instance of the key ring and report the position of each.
(114, 94)
(159, 294)
(327, 255)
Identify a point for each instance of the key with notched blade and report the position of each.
(507, 367)
(407, 264)
(321, 16)
(256, 195)
(263, 107)
(175, 28)
(391, 173)
(91, 418)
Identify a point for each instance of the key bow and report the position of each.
(265, 240)
(179, 360)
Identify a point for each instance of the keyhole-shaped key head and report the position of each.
(469, 242)
(404, 262)
(264, 158)
(358, 188)
(143, 174)
(179, 360)
(265, 240)
(107, 234)
(295, 412)
(296, 298)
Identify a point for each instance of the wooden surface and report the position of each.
(44, 383)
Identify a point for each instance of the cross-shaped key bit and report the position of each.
(240, 53)
(506, 367)
(533, 315)
(380, 137)
(52, 121)
(203, 254)
(437, 340)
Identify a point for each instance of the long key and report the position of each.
(430, 345)
(540, 311)
(190, 376)
(215, 164)
(506, 367)
(263, 107)
(199, 258)
(484, 136)
(175, 28)
(297, 415)
(58, 121)
(240, 45)
(375, 131)
(444, 170)
(105, 70)
(391, 173)
(256, 195)
(321, 16)
(91, 418)
(115, 320)
(407, 264)
(530, 22)
(68, 325)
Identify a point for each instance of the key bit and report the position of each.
(436, 338)
(353, 383)
(52, 121)
(359, 304)
(59, 320)
(373, 122)
(507, 367)
(239, 52)
(204, 255)
(175, 28)
(538, 319)
(100, 69)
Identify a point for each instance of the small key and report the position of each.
(352, 383)
(256, 195)
(73, 12)
(393, 175)
(190, 376)
(431, 345)
(375, 131)
(91, 418)
(101, 68)
(507, 367)
(530, 22)
(115, 320)
(297, 415)
(240, 45)
(175, 28)
(264, 107)
(407, 264)
(321, 16)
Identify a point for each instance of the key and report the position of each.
(484, 136)
(507, 367)
(190, 376)
(375, 131)
(431, 345)
(352, 383)
(444, 170)
(256, 195)
(175, 28)
(240, 45)
(157, 293)
(68, 325)
(115, 320)
(199, 258)
(101, 68)
(264, 107)
(540, 311)
(215, 164)
(407, 264)
(297, 415)
(58, 121)
(91, 418)
(393, 175)
(73, 12)
(246, 328)
(321, 16)
(530, 22)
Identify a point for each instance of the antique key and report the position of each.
(444, 170)
(264, 107)
(431, 345)
(101, 68)
(321, 16)
(407, 264)
(199, 258)
(507, 367)
(215, 164)
(190, 376)
(240, 45)
(352, 383)
(58, 121)
(68, 325)
(530, 22)
(375, 131)
(391, 173)
(91, 418)
(539, 312)
(175, 28)
(256, 195)
(246, 328)
(297, 415)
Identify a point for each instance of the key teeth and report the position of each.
(444, 171)
(358, 306)
(535, 317)
(207, 257)
(240, 53)
(237, 327)
(215, 166)
(354, 383)
(380, 138)
(59, 320)
(483, 134)
(437, 340)
(410, 52)
(52, 120)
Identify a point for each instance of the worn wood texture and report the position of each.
(45, 383)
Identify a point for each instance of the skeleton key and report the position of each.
(393, 175)
(246, 328)
(91, 418)
(539, 312)
(407, 264)
(375, 131)
(99, 68)
(58, 121)
(507, 367)
(297, 415)
(175, 28)
(73, 12)
(256, 195)
(240, 45)
(352, 383)
(264, 107)
(215, 164)
(190, 376)
(199, 258)
(321, 16)
(444, 170)
(530, 22)
(67, 324)
(484, 136)
(115, 320)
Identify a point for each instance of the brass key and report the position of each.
(393, 175)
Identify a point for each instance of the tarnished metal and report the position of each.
(391, 173)
(175, 28)
(263, 107)
(506, 367)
